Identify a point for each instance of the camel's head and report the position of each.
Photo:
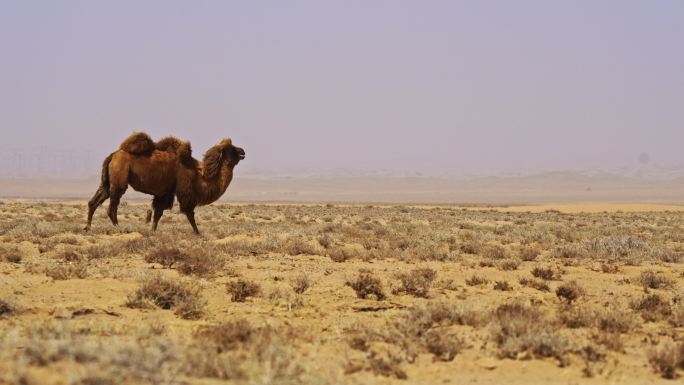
(230, 153)
(223, 152)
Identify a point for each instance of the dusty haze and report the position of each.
(439, 87)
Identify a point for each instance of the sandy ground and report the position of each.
(325, 316)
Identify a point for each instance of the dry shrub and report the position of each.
(165, 256)
(486, 263)
(226, 336)
(535, 284)
(523, 330)
(6, 307)
(201, 262)
(424, 328)
(242, 289)
(385, 364)
(594, 360)
(417, 282)
(184, 297)
(678, 312)
(502, 286)
(300, 283)
(476, 280)
(652, 308)
(63, 271)
(529, 253)
(299, 246)
(569, 292)
(443, 345)
(667, 358)
(574, 317)
(610, 268)
(653, 280)
(494, 252)
(509, 264)
(471, 246)
(615, 319)
(337, 254)
(366, 284)
(243, 352)
(546, 273)
(10, 254)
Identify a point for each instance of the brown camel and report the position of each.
(165, 169)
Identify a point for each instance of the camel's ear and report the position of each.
(225, 143)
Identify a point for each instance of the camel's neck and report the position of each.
(215, 188)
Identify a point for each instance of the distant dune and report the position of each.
(551, 187)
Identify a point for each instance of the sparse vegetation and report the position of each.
(185, 298)
(569, 292)
(499, 285)
(417, 282)
(242, 289)
(366, 284)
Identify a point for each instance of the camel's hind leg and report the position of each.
(100, 196)
(161, 203)
(115, 194)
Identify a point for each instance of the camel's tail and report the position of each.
(104, 181)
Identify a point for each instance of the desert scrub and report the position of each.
(476, 280)
(300, 283)
(366, 285)
(67, 270)
(197, 261)
(653, 280)
(7, 307)
(502, 286)
(652, 308)
(520, 329)
(667, 358)
(547, 273)
(242, 289)
(184, 297)
(10, 254)
(569, 292)
(417, 282)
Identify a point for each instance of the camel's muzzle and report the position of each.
(240, 152)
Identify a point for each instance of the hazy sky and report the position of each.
(419, 85)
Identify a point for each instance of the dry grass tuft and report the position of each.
(502, 286)
(227, 336)
(300, 283)
(417, 282)
(69, 270)
(366, 284)
(535, 284)
(653, 280)
(652, 308)
(6, 307)
(185, 298)
(201, 262)
(667, 358)
(476, 280)
(521, 330)
(546, 273)
(569, 292)
(242, 289)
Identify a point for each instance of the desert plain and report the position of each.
(342, 293)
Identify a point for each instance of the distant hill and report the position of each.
(548, 187)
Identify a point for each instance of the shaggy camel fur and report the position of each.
(165, 169)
